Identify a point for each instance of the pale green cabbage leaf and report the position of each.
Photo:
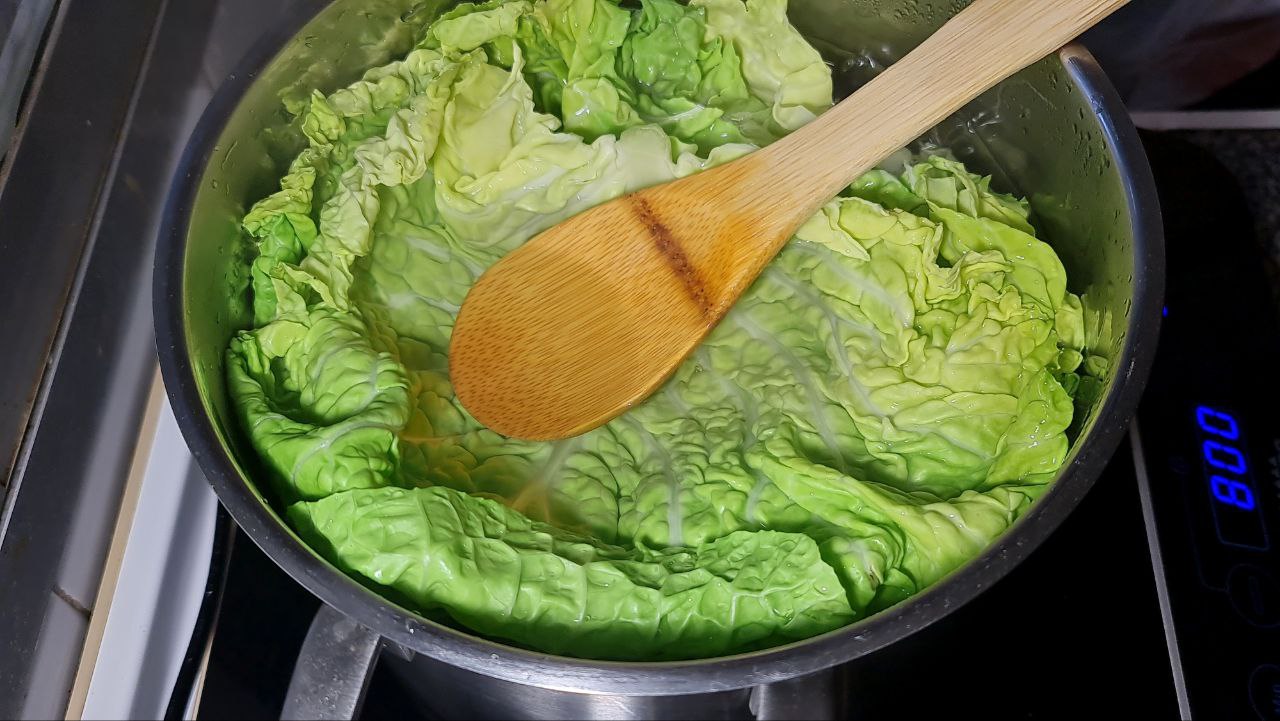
(884, 401)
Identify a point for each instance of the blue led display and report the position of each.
(1236, 515)
(1224, 458)
(1216, 423)
(1232, 493)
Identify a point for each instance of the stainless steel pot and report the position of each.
(1055, 132)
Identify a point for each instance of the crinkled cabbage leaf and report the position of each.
(885, 400)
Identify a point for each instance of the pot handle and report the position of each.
(339, 655)
(333, 669)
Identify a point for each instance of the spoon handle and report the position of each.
(983, 44)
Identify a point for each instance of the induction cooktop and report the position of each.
(1158, 596)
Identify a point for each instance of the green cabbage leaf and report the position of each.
(887, 398)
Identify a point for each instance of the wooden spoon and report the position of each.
(591, 316)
